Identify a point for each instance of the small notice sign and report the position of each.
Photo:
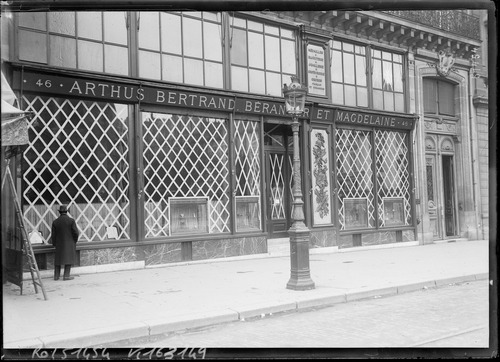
(316, 70)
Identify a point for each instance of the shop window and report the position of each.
(374, 81)
(387, 70)
(360, 201)
(182, 47)
(78, 40)
(248, 175)
(79, 155)
(439, 97)
(263, 57)
(355, 179)
(186, 169)
(393, 178)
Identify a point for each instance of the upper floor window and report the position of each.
(348, 70)
(263, 56)
(182, 47)
(439, 97)
(81, 40)
(387, 77)
(365, 77)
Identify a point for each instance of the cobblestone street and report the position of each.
(449, 316)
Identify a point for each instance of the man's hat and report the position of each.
(63, 209)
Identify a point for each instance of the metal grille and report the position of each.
(247, 174)
(354, 171)
(277, 184)
(430, 183)
(247, 150)
(290, 172)
(184, 156)
(78, 155)
(392, 169)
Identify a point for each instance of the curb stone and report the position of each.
(186, 322)
(460, 279)
(357, 295)
(416, 286)
(322, 302)
(97, 336)
(253, 311)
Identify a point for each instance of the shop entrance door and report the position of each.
(449, 196)
(441, 195)
(278, 158)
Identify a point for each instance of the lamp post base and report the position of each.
(300, 276)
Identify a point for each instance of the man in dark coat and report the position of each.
(64, 238)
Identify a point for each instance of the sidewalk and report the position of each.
(94, 309)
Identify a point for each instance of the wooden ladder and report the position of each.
(28, 249)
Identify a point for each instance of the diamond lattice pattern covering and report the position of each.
(78, 155)
(355, 171)
(392, 167)
(184, 156)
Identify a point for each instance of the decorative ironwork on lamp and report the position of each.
(295, 97)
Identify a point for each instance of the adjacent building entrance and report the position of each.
(278, 148)
(441, 189)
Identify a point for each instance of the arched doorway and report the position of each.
(441, 186)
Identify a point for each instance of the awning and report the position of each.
(14, 121)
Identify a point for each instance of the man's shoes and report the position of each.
(56, 278)
(69, 278)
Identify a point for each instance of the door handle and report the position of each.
(140, 182)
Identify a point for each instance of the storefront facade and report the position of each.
(178, 148)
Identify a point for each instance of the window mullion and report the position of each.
(133, 29)
(369, 75)
(248, 56)
(182, 48)
(76, 41)
(226, 58)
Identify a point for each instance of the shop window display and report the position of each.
(188, 215)
(394, 212)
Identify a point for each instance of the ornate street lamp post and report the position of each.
(300, 278)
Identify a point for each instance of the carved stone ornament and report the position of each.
(430, 144)
(446, 61)
(321, 176)
(447, 145)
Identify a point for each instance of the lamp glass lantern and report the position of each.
(295, 97)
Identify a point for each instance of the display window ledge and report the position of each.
(373, 230)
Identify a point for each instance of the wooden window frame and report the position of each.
(47, 33)
(369, 57)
